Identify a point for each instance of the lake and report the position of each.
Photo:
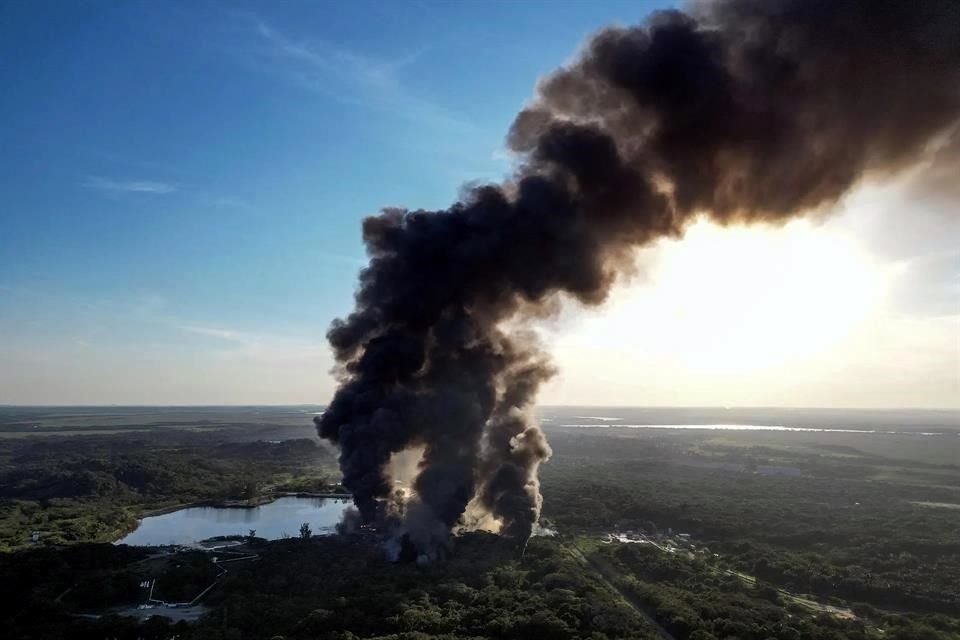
(275, 520)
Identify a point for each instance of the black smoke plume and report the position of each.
(740, 110)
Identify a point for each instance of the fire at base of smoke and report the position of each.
(740, 110)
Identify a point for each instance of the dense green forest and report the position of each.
(752, 536)
(834, 524)
(93, 488)
(696, 600)
(340, 588)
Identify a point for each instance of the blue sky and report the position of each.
(171, 171)
(182, 184)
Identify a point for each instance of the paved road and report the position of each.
(840, 612)
(603, 573)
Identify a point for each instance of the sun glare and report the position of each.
(733, 300)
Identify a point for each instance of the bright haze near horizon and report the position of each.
(182, 189)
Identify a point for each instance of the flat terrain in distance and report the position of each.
(678, 524)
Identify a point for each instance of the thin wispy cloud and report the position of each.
(342, 258)
(223, 201)
(267, 349)
(344, 75)
(228, 335)
(110, 185)
(203, 198)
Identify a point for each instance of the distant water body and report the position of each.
(278, 519)
(611, 423)
(918, 422)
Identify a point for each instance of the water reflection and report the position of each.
(281, 518)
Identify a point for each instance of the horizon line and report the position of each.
(544, 406)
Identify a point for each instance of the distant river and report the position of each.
(280, 518)
(613, 423)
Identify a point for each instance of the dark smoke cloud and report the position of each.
(741, 110)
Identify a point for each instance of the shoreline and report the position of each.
(241, 504)
(226, 504)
